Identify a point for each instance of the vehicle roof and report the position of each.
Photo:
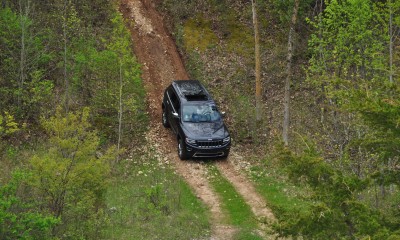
(192, 91)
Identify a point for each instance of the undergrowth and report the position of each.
(147, 200)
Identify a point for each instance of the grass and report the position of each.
(238, 212)
(281, 196)
(147, 200)
(247, 235)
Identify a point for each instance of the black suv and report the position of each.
(190, 111)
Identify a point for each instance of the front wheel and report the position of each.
(164, 119)
(182, 150)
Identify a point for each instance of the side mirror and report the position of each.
(176, 115)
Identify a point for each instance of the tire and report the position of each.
(182, 153)
(164, 119)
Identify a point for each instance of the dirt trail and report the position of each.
(161, 64)
(247, 191)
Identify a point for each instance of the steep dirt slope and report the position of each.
(161, 64)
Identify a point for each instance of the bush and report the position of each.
(70, 177)
(19, 216)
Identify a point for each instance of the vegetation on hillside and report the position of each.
(72, 109)
(150, 201)
(343, 149)
(72, 104)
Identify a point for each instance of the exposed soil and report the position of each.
(161, 63)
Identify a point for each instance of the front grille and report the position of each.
(209, 144)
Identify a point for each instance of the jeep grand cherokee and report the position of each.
(191, 113)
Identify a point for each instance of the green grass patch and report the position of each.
(238, 212)
(247, 235)
(198, 34)
(147, 200)
(279, 194)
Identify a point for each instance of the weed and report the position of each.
(147, 200)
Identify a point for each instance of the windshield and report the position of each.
(200, 113)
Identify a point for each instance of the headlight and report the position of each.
(190, 141)
(227, 139)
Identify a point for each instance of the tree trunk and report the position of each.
(3, 3)
(120, 110)
(258, 61)
(391, 36)
(66, 81)
(24, 9)
(286, 114)
(347, 219)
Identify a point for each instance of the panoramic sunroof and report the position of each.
(196, 97)
(192, 91)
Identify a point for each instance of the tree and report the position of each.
(394, 31)
(70, 33)
(350, 63)
(117, 90)
(286, 114)
(70, 177)
(23, 87)
(257, 60)
(8, 127)
(335, 210)
(120, 45)
(24, 11)
(348, 45)
(66, 80)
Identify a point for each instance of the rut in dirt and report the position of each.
(161, 64)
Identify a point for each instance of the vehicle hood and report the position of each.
(205, 130)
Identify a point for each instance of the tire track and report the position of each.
(245, 188)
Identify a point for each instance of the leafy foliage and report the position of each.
(23, 86)
(69, 178)
(349, 62)
(336, 211)
(347, 46)
(358, 127)
(19, 218)
(280, 9)
(8, 125)
(51, 52)
(97, 75)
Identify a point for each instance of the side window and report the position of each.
(174, 100)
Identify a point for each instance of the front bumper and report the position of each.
(202, 152)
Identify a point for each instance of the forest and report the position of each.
(311, 91)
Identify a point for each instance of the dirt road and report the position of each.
(161, 64)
